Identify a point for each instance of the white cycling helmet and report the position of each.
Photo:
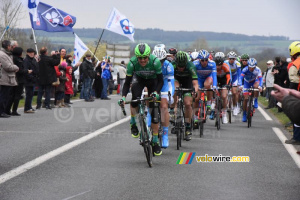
(194, 55)
(231, 54)
(220, 54)
(160, 47)
(160, 53)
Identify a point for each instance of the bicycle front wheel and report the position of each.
(146, 142)
(249, 112)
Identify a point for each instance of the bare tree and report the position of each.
(8, 12)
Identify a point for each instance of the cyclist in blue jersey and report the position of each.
(235, 72)
(169, 85)
(207, 77)
(252, 77)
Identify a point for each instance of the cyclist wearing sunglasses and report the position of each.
(207, 78)
(149, 74)
(252, 78)
(235, 68)
(169, 85)
(186, 76)
(244, 60)
(223, 75)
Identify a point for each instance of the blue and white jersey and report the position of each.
(204, 72)
(235, 68)
(248, 76)
(168, 75)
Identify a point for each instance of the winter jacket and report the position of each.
(269, 77)
(20, 75)
(87, 69)
(46, 69)
(68, 84)
(122, 72)
(8, 69)
(31, 64)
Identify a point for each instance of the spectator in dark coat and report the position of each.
(88, 76)
(278, 76)
(47, 76)
(31, 78)
(17, 90)
(7, 76)
(98, 81)
(284, 76)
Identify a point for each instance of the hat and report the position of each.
(30, 50)
(64, 64)
(270, 62)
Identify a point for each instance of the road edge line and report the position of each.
(266, 116)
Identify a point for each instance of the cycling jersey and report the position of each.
(189, 71)
(210, 71)
(223, 74)
(235, 71)
(168, 75)
(150, 71)
(250, 77)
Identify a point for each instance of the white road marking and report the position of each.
(264, 114)
(82, 193)
(290, 148)
(36, 162)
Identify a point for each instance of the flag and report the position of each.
(79, 50)
(51, 19)
(32, 7)
(119, 23)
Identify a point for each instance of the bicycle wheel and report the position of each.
(202, 117)
(201, 127)
(229, 108)
(177, 126)
(146, 141)
(218, 113)
(249, 111)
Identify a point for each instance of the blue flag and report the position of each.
(51, 19)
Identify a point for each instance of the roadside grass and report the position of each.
(283, 119)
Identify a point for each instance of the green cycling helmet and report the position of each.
(181, 59)
(142, 50)
(245, 57)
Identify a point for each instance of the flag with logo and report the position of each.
(119, 23)
(51, 19)
(79, 50)
(31, 5)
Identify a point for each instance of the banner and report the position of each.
(79, 50)
(32, 7)
(119, 23)
(51, 19)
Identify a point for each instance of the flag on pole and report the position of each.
(79, 50)
(119, 23)
(51, 19)
(32, 7)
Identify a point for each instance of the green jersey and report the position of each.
(189, 71)
(150, 71)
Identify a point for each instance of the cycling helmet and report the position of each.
(294, 48)
(142, 50)
(160, 53)
(172, 51)
(238, 59)
(203, 54)
(252, 63)
(220, 54)
(160, 47)
(245, 56)
(231, 54)
(194, 55)
(181, 59)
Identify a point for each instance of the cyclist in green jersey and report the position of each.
(186, 77)
(147, 69)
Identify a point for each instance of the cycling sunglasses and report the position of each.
(143, 58)
(204, 60)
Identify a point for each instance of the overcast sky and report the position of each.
(251, 17)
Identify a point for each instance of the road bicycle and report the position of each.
(250, 108)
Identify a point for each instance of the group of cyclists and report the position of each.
(162, 71)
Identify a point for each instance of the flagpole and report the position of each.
(34, 39)
(7, 27)
(93, 55)
(99, 40)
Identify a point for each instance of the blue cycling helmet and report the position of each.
(203, 54)
(252, 63)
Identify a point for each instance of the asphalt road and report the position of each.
(112, 165)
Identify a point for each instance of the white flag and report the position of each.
(32, 7)
(79, 50)
(119, 23)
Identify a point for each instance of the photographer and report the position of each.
(106, 69)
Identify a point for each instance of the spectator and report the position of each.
(14, 44)
(63, 54)
(47, 76)
(293, 75)
(111, 84)
(106, 69)
(60, 90)
(68, 87)
(20, 76)
(290, 100)
(98, 81)
(88, 76)
(269, 77)
(7, 76)
(31, 78)
(284, 73)
(122, 74)
(276, 71)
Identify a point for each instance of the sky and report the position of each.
(250, 17)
